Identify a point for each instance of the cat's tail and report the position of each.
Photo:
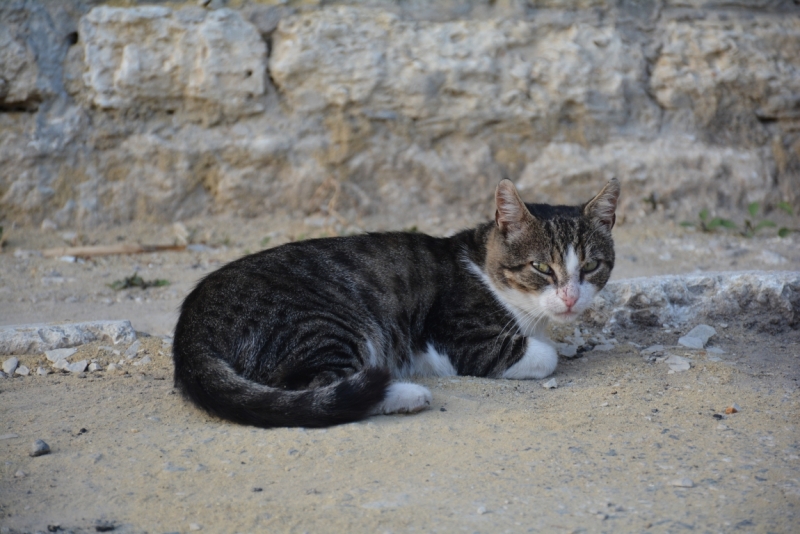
(218, 389)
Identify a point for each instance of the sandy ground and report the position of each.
(601, 453)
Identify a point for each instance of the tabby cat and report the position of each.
(321, 332)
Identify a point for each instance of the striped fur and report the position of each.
(313, 333)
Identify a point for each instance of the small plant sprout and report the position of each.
(711, 225)
(136, 281)
(750, 226)
(786, 207)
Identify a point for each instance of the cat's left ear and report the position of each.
(603, 206)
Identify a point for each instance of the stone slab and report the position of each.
(38, 338)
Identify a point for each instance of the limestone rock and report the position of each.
(10, 365)
(18, 72)
(767, 299)
(410, 109)
(731, 72)
(159, 57)
(678, 165)
(697, 337)
(59, 354)
(459, 74)
(38, 338)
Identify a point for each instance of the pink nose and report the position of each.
(569, 295)
(569, 301)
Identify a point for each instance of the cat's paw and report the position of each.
(404, 397)
(539, 361)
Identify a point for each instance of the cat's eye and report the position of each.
(542, 267)
(590, 266)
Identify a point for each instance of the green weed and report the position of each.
(136, 281)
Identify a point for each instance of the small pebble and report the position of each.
(683, 483)
(482, 510)
(22, 371)
(10, 365)
(113, 367)
(722, 427)
(567, 351)
(733, 409)
(678, 363)
(697, 337)
(95, 367)
(195, 526)
(20, 474)
(61, 364)
(133, 349)
(143, 361)
(40, 448)
(104, 526)
(652, 349)
(550, 384)
(59, 354)
(41, 371)
(77, 367)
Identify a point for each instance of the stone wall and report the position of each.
(167, 111)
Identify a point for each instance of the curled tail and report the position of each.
(214, 386)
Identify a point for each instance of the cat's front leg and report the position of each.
(540, 360)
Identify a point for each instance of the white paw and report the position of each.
(403, 397)
(539, 361)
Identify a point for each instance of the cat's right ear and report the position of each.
(512, 214)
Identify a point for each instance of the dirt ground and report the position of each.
(609, 450)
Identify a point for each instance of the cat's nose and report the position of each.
(569, 301)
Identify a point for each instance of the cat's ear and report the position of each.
(603, 206)
(511, 215)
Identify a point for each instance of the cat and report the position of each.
(322, 332)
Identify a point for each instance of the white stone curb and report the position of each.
(765, 298)
(37, 338)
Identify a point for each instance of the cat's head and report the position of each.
(550, 261)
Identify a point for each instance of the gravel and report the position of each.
(22, 371)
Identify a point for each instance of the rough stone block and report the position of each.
(767, 299)
(676, 168)
(727, 73)
(18, 72)
(160, 57)
(38, 338)
(464, 73)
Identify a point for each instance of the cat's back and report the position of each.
(364, 269)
